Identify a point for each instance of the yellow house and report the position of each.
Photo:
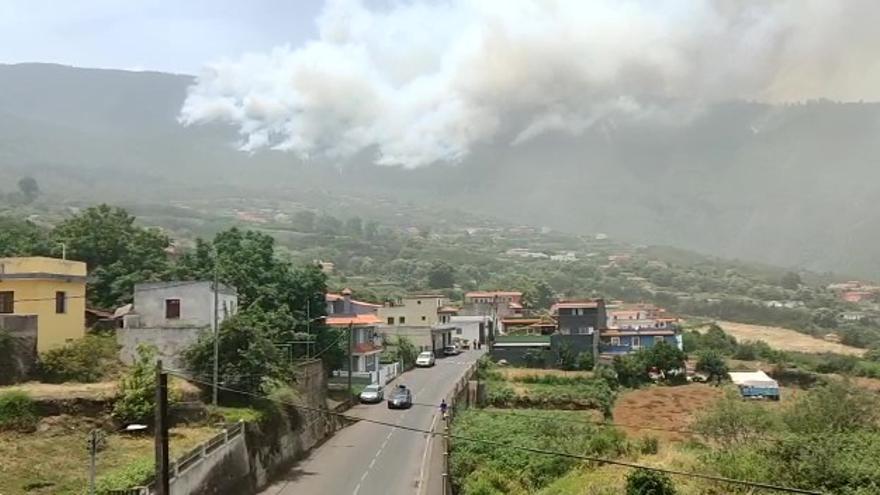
(52, 289)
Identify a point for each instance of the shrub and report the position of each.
(712, 364)
(648, 445)
(645, 482)
(585, 361)
(91, 359)
(17, 411)
(137, 389)
(137, 473)
(630, 370)
(567, 357)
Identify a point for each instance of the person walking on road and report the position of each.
(444, 408)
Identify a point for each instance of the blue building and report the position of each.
(618, 341)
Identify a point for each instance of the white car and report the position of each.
(425, 359)
(372, 394)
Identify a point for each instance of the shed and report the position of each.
(755, 384)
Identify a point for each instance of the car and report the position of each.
(450, 350)
(372, 394)
(425, 359)
(401, 398)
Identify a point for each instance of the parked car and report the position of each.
(450, 350)
(425, 359)
(401, 398)
(372, 394)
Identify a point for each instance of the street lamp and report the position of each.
(96, 442)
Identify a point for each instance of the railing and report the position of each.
(190, 459)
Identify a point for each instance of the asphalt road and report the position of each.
(370, 459)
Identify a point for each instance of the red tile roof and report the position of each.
(357, 320)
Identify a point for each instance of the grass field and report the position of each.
(55, 460)
(785, 339)
(511, 374)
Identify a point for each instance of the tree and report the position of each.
(441, 275)
(304, 221)
(406, 352)
(567, 357)
(713, 365)
(540, 295)
(354, 227)
(22, 238)
(630, 369)
(118, 253)
(790, 281)
(665, 357)
(646, 482)
(585, 361)
(136, 399)
(247, 352)
(371, 230)
(29, 189)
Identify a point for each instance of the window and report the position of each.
(458, 331)
(636, 342)
(615, 340)
(7, 302)
(418, 302)
(60, 302)
(390, 320)
(423, 318)
(172, 309)
(401, 320)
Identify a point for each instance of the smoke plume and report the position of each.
(424, 82)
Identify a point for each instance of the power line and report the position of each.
(598, 460)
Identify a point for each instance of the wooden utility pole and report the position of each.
(350, 359)
(161, 432)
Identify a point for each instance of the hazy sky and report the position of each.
(165, 35)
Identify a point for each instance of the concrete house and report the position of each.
(171, 316)
(496, 304)
(51, 289)
(415, 310)
(360, 318)
(635, 326)
(473, 329)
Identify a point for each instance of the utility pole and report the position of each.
(216, 328)
(93, 452)
(308, 324)
(161, 432)
(350, 365)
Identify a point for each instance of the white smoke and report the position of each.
(425, 82)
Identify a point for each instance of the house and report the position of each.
(580, 317)
(639, 316)
(755, 384)
(497, 304)
(171, 316)
(415, 310)
(53, 290)
(623, 341)
(343, 304)
(473, 329)
(361, 319)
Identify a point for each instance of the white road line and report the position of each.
(364, 476)
(357, 489)
(422, 484)
(372, 463)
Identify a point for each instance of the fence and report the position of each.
(189, 460)
(458, 399)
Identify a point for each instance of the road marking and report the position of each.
(364, 476)
(372, 463)
(422, 483)
(357, 489)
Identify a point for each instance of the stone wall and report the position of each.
(170, 342)
(18, 355)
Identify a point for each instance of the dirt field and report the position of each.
(785, 339)
(513, 373)
(664, 407)
(92, 391)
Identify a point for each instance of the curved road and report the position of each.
(371, 459)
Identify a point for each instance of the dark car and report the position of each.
(401, 398)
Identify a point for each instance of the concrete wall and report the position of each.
(170, 342)
(19, 359)
(196, 304)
